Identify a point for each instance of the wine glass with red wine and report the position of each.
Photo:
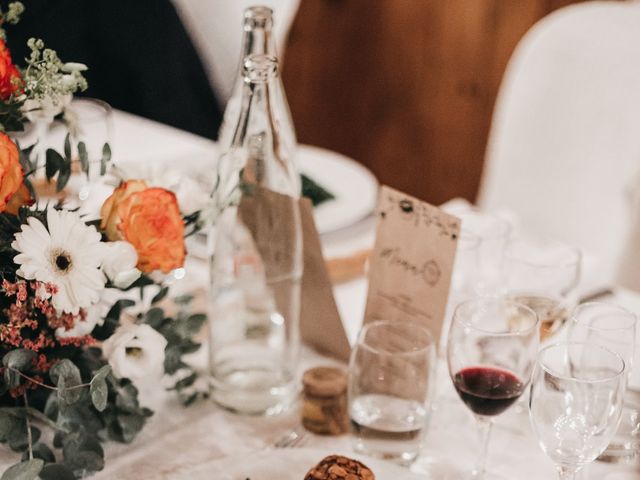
(491, 352)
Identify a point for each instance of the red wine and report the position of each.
(487, 390)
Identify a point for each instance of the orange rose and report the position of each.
(109, 210)
(10, 78)
(150, 220)
(11, 177)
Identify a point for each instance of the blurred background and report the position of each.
(406, 87)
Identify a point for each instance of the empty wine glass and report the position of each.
(492, 233)
(391, 375)
(575, 403)
(613, 327)
(543, 276)
(89, 122)
(491, 352)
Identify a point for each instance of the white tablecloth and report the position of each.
(177, 437)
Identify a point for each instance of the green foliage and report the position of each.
(11, 115)
(112, 320)
(98, 389)
(41, 451)
(179, 332)
(66, 376)
(15, 361)
(28, 470)
(84, 158)
(314, 191)
(106, 158)
(56, 471)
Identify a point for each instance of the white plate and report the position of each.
(355, 188)
(283, 464)
(353, 185)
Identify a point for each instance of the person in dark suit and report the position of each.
(139, 55)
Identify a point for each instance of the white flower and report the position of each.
(68, 255)
(135, 351)
(190, 194)
(119, 263)
(74, 67)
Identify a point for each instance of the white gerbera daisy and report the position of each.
(68, 255)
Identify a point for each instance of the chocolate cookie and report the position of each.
(337, 467)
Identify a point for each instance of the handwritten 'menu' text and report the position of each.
(428, 271)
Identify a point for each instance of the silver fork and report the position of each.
(292, 439)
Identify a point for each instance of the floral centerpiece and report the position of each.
(68, 353)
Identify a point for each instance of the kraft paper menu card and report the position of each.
(412, 261)
(267, 215)
(320, 322)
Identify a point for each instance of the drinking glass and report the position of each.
(391, 375)
(90, 122)
(543, 276)
(465, 279)
(576, 402)
(613, 327)
(491, 351)
(492, 234)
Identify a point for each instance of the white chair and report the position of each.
(564, 147)
(215, 28)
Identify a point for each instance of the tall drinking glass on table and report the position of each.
(391, 377)
(613, 327)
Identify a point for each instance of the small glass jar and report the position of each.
(324, 409)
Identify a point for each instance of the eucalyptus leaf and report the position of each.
(195, 323)
(185, 382)
(130, 425)
(63, 176)
(66, 369)
(22, 413)
(65, 375)
(99, 393)
(28, 470)
(67, 147)
(127, 398)
(154, 317)
(18, 438)
(84, 462)
(53, 163)
(160, 295)
(56, 471)
(79, 415)
(11, 378)
(41, 451)
(173, 360)
(84, 158)
(25, 158)
(8, 423)
(20, 359)
(81, 441)
(106, 157)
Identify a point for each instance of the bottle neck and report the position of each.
(257, 39)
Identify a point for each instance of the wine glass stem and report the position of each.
(567, 473)
(484, 431)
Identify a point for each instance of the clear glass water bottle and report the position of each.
(258, 38)
(256, 264)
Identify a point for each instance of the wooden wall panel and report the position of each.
(406, 87)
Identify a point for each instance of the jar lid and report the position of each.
(324, 381)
